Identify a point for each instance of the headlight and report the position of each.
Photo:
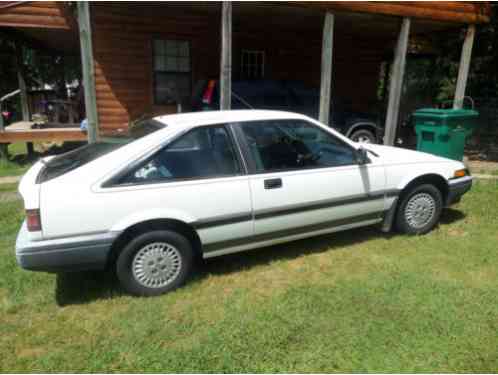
(461, 173)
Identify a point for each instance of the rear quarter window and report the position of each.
(72, 160)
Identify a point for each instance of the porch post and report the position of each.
(396, 84)
(326, 68)
(463, 69)
(22, 82)
(226, 56)
(88, 70)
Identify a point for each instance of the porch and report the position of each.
(343, 49)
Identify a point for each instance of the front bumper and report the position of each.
(458, 187)
(73, 253)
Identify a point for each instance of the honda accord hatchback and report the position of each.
(214, 183)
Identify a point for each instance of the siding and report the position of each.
(122, 42)
(123, 57)
(44, 14)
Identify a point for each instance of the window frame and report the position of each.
(251, 164)
(247, 68)
(114, 181)
(158, 72)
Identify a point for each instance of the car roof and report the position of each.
(218, 117)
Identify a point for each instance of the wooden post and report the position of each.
(30, 150)
(396, 83)
(326, 67)
(463, 69)
(226, 56)
(88, 70)
(22, 82)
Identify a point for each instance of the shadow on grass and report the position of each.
(451, 215)
(84, 287)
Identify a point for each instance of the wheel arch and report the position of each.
(134, 230)
(366, 125)
(429, 178)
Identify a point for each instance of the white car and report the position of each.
(213, 183)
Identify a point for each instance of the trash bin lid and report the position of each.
(445, 113)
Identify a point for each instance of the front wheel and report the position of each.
(419, 210)
(154, 263)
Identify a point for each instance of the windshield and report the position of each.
(71, 160)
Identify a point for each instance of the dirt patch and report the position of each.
(9, 179)
(31, 352)
(484, 167)
(9, 197)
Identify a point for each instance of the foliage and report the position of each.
(41, 67)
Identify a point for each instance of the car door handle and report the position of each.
(273, 183)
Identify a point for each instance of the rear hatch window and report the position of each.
(69, 161)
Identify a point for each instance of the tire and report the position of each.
(363, 136)
(419, 210)
(154, 263)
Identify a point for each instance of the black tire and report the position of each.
(363, 134)
(165, 262)
(419, 209)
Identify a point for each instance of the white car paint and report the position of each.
(76, 204)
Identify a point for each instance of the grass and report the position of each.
(358, 301)
(17, 151)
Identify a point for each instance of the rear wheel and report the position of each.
(419, 210)
(155, 263)
(363, 136)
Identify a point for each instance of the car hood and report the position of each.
(396, 155)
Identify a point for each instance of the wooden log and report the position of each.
(396, 84)
(326, 68)
(463, 69)
(226, 56)
(17, 20)
(481, 12)
(88, 70)
(38, 135)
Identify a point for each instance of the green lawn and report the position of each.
(15, 168)
(358, 301)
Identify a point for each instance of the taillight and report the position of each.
(208, 94)
(33, 220)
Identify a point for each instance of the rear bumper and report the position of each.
(74, 253)
(456, 188)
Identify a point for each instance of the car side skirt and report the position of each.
(272, 238)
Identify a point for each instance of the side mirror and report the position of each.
(362, 156)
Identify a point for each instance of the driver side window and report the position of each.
(279, 145)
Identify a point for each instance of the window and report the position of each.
(71, 160)
(252, 64)
(172, 78)
(294, 144)
(201, 153)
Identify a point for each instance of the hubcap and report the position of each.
(156, 265)
(363, 139)
(420, 210)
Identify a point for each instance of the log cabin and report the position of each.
(133, 53)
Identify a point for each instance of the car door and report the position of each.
(304, 178)
(199, 178)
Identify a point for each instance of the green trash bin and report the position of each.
(443, 131)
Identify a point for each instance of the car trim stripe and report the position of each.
(289, 209)
(222, 220)
(215, 246)
(317, 205)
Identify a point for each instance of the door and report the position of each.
(198, 179)
(303, 178)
